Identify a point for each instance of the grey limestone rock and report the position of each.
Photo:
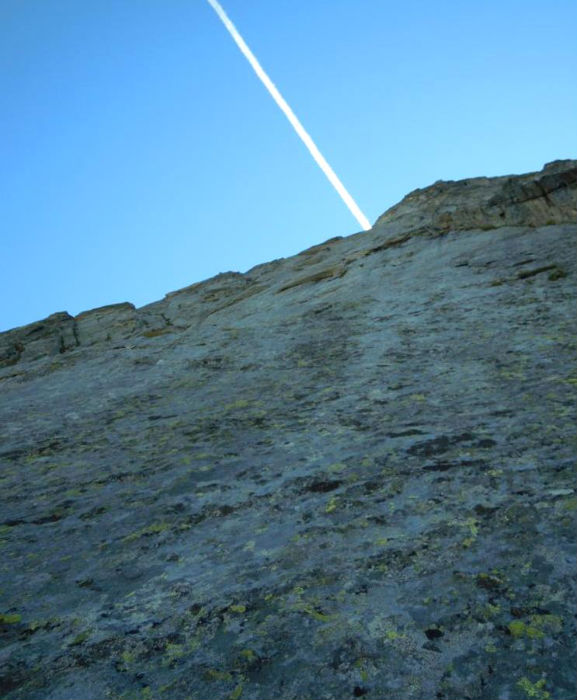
(536, 199)
(348, 473)
(53, 335)
(107, 324)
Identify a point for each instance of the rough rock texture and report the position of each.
(536, 199)
(344, 474)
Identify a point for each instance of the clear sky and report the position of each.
(139, 153)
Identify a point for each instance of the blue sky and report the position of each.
(140, 153)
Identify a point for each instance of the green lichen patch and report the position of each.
(536, 627)
(534, 690)
(79, 638)
(239, 608)
(147, 531)
(10, 618)
(317, 614)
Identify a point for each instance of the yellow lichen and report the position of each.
(173, 652)
(534, 690)
(537, 627)
(241, 403)
(10, 619)
(321, 617)
(332, 505)
(517, 628)
(214, 674)
(490, 611)
(82, 637)
(147, 531)
(237, 692)
(237, 608)
(472, 525)
(127, 657)
(337, 467)
(392, 634)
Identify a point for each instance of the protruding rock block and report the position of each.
(51, 336)
(106, 324)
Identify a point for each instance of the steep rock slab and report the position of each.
(344, 474)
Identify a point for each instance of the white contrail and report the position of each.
(290, 115)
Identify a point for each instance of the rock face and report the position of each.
(536, 199)
(348, 473)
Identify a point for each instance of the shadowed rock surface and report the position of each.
(349, 473)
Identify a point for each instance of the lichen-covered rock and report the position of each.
(345, 474)
(55, 334)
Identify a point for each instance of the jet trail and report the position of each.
(290, 115)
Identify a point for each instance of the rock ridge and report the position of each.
(540, 198)
(544, 198)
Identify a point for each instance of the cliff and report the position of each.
(346, 473)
